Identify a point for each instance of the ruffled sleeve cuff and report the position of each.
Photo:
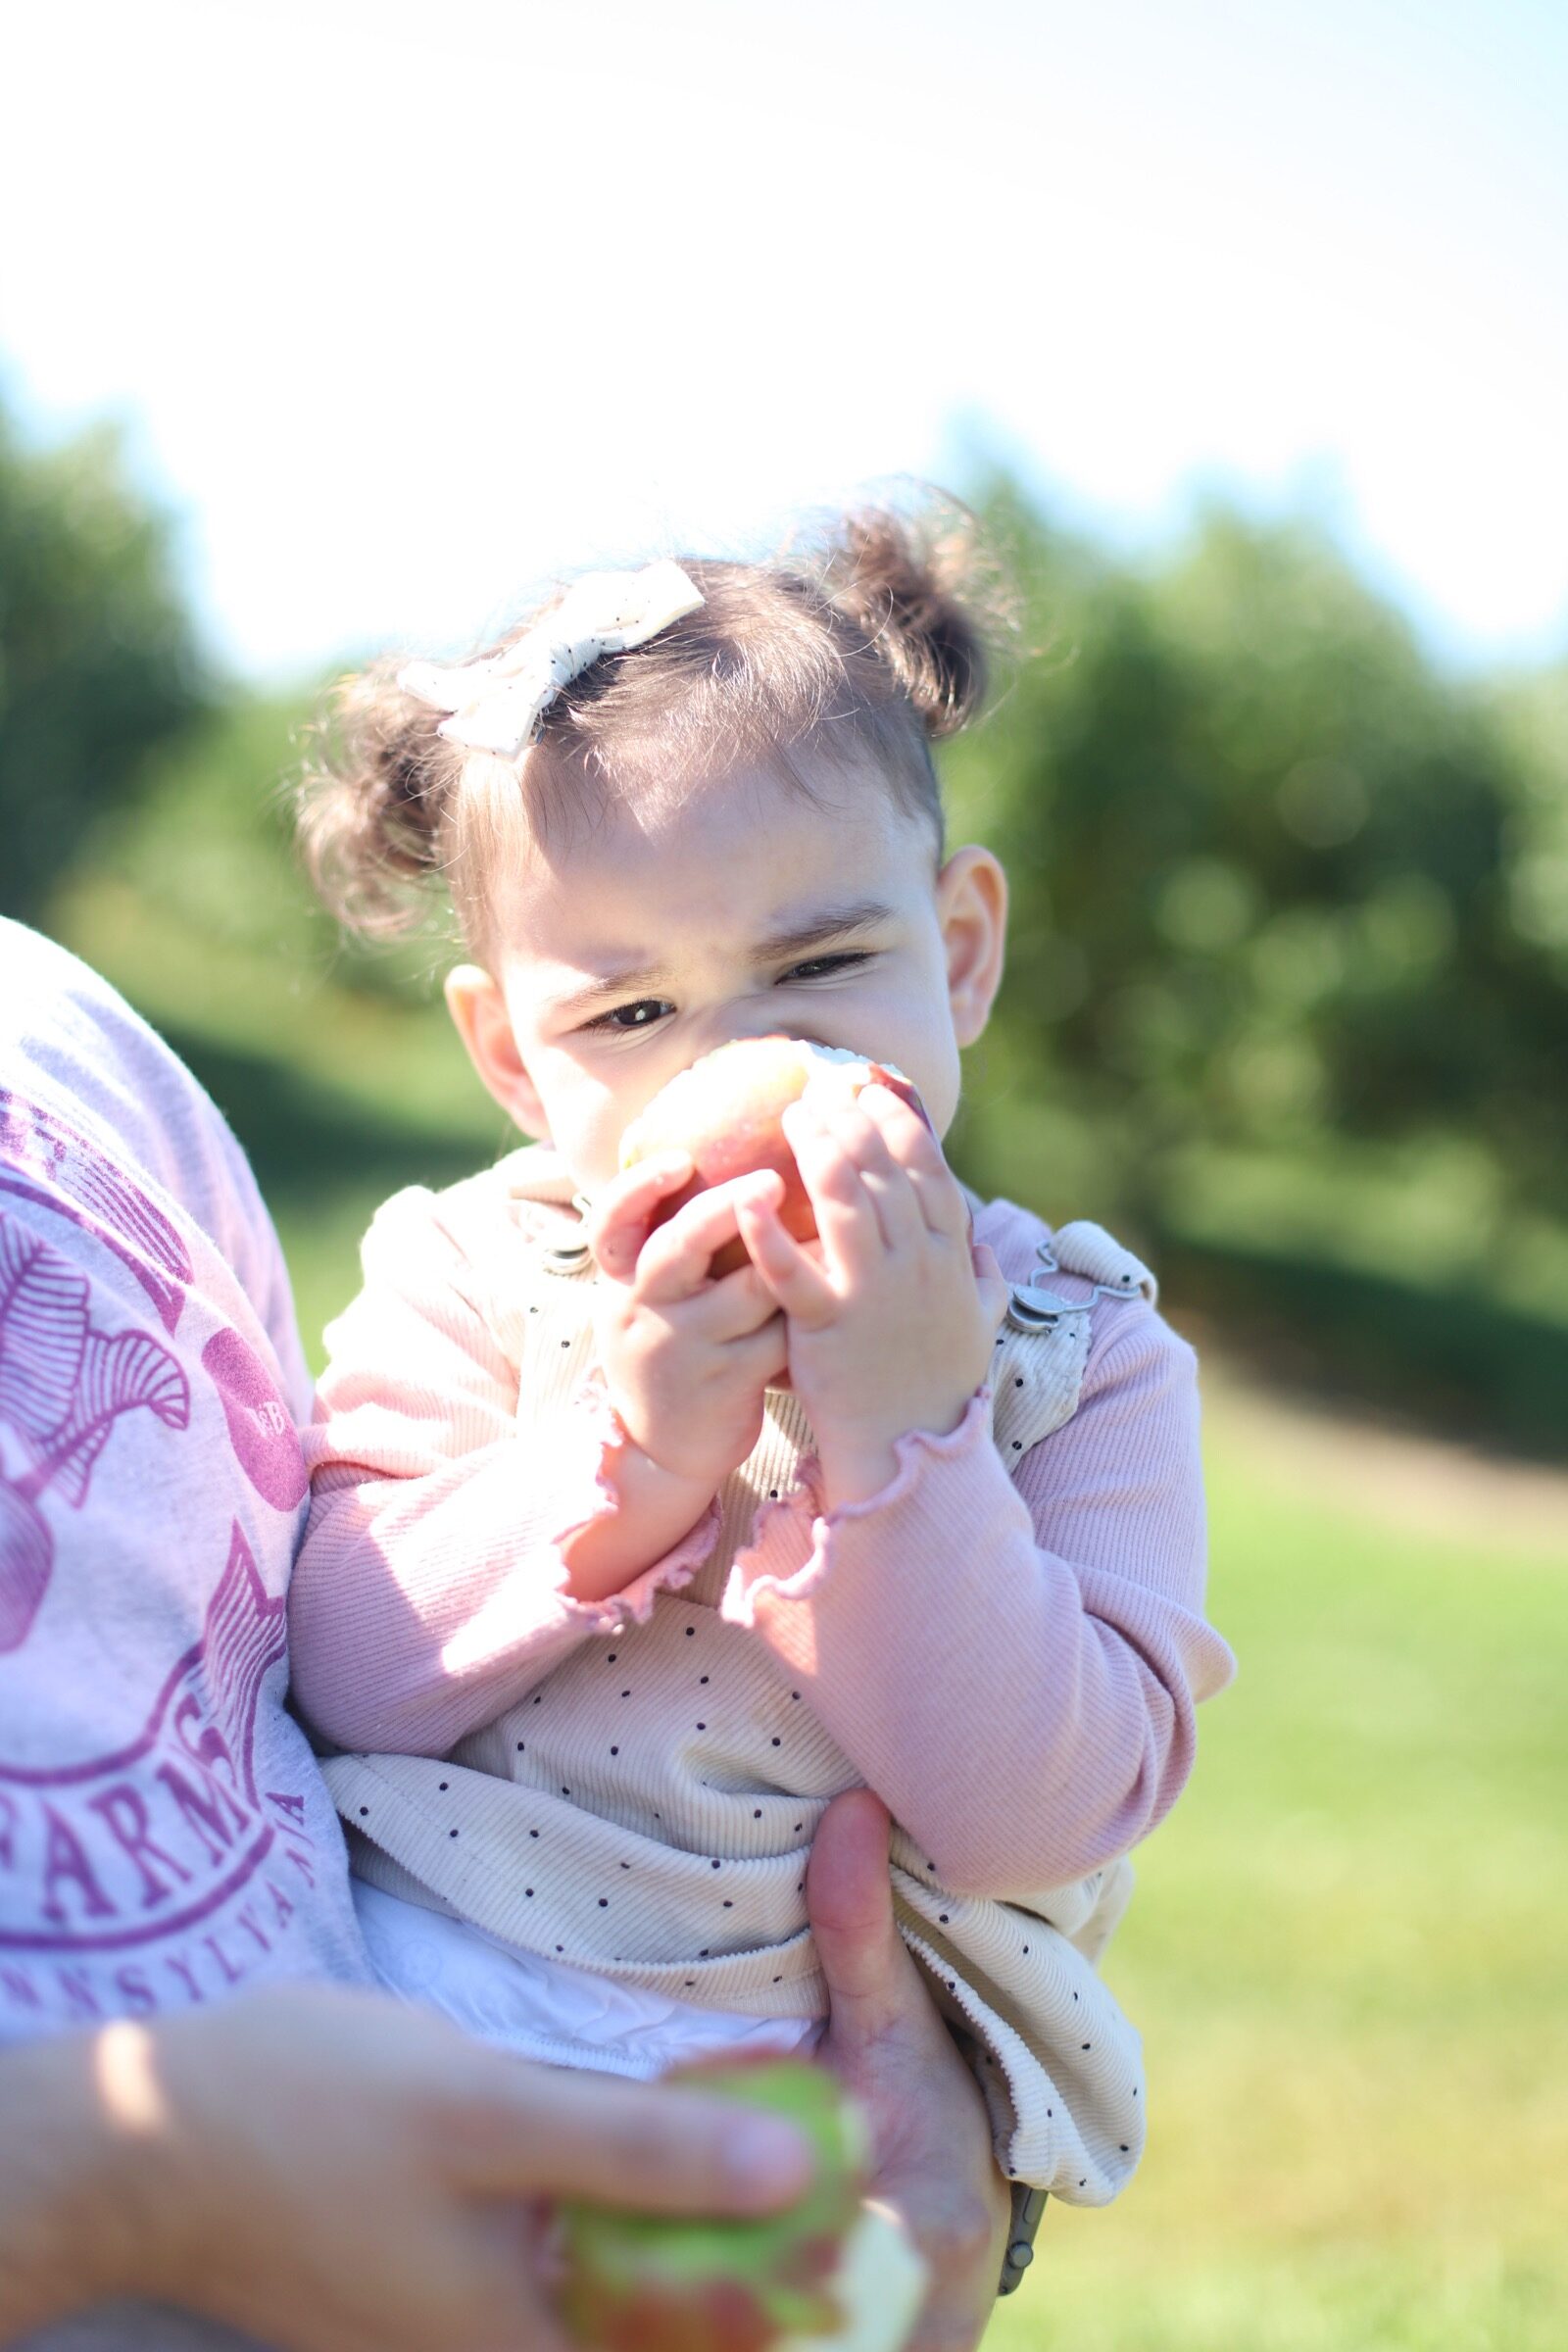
(593, 1439)
(795, 1542)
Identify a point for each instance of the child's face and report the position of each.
(643, 942)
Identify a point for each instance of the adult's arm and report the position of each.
(328, 2171)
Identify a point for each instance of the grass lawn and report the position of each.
(1349, 1957)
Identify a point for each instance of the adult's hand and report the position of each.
(930, 2132)
(329, 2171)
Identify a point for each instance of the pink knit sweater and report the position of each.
(1007, 1643)
(964, 1632)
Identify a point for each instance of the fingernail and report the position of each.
(768, 2159)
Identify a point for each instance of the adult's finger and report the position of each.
(931, 2135)
(653, 2147)
(872, 1983)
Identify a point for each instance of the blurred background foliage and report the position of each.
(1288, 995)
(1289, 982)
(98, 663)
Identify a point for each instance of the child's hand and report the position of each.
(685, 1358)
(893, 1315)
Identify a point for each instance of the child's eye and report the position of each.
(641, 1015)
(817, 967)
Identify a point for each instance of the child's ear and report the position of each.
(972, 908)
(478, 1011)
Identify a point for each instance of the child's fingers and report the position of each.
(887, 1184)
(797, 1280)
(936, 1190)
(674, 1260)
(762, 1355)
(730, 1308)
(847, 1219)
(618, 1223)
(991, 1283)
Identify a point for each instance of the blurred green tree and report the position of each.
(1275, 877)
(98, 660)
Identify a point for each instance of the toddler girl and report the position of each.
(615, 1571)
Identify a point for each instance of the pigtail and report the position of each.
(371, 806)
(917, 598)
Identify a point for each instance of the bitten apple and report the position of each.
(727, 1113)
(832, 2274)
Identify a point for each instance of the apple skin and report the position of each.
(646, 2282)
(726, 1112)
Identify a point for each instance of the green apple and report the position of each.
(830, 2273)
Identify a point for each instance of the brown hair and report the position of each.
(869, 648)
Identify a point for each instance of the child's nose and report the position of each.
(738, 1027)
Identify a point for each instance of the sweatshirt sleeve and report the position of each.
(429, 1591)
(1013, 1664)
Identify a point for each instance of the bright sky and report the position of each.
(407, 305)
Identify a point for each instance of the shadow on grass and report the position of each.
(1453, 1361)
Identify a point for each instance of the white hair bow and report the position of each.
(496, 705)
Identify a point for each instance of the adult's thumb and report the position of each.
(850, 1899)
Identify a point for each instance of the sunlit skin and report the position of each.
(639, 942)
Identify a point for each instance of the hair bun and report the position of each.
(908, 588)
(372, 803)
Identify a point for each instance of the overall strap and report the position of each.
(1042, 1346)
(1091, 1251)
(1038, 1372)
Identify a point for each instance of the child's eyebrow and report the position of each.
(795, 938)
(829, 922)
